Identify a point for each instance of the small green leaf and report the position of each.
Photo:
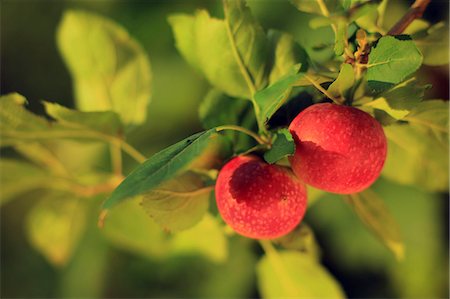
(391, 61)
(110, 69)
(314, 6)
(291, 274)
(374, 214)
(431, 116)
(301, 239)
(399, 100)
(282, 146)
(343, 82)
(270, 99)
(55, 225)
(286, 54)
(230, 53)
(206, 238)
(178, 204)
(340, 36)
(161, 167)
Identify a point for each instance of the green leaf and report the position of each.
(434, 44)
(129, 228)
(19, 177)
(291, 274)
(418, 152)
(18, 125)
(340, 36)
(161, 167)
(282, 146)
(107, 122)
(400, 100)
(178, 204)
(270, 99)
(230, 53)
(286, 54)
(391, 61)
(110, 69)
(55, 225)
(375, 215)
(206, 238)
(343, 82)
(218, 109)
(301, 239)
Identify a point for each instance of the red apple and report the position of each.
(259, 200)
(339, 149)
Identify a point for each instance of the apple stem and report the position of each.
(242, 130)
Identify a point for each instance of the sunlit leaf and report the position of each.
(178, 204)
(230, 53)
(206, 238)
(55, 225)
(343, 82)
(391, 61)
(314, 7)
(374, 214)
(160, 167)
(291, 274)
(110, 70)
(282, 146)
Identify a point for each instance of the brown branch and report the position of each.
(415, 11)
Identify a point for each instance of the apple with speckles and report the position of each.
(259, 200)
(339, 149)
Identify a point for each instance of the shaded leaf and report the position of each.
(392, 60)
(291, 274)
(399, 100)
(286, 54)
(129, 228)
(433, 44)
(55, 225)
(178, 204)
(282, 146)
(374, 214)
(314, 7)
(302, 239)
(160, 167)
(206, 238)
(343, 82)
(110, 70)
(340, 36)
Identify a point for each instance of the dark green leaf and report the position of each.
(291, 274)
(391, 61)
(110, 69)
(161, 167)
(301, 239)
(178, 204)
(270, 99)
(282, 146)
(55, 225)
(374, 214)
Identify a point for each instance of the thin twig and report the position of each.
(415, 11)
(322, 90)
(242, 130)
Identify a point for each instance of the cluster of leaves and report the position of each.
(255, 76)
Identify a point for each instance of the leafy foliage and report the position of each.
(108, 67)
(282, 146)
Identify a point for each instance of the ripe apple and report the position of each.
(339, 149)
(259, 200)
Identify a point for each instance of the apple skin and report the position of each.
(259, 200)
(339, 149)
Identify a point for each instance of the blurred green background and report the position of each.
(32, 66)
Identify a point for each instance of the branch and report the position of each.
(415, 11)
